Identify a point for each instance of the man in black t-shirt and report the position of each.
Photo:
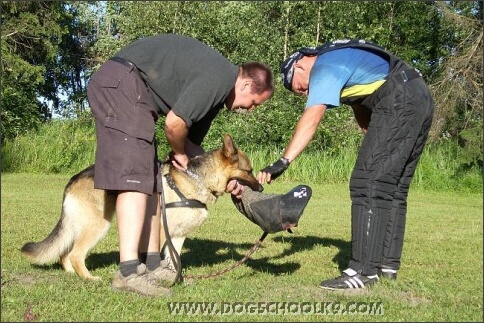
(189, 83)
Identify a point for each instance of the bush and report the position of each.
(59, 146)
(68, 146)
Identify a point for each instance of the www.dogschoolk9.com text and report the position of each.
(275, 308)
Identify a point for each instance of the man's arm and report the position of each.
(176, 132)
(305, 129)
(303, 133)
(362, 116)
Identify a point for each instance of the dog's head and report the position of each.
(237, 165)
(216, 168)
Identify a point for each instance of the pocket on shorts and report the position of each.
(127, 155)
(142, 157)
(110, 74)
(144, 117)
(106, 80)
(140, 128)
(137, 151)
(136, 115)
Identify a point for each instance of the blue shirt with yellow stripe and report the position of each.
(343, 74)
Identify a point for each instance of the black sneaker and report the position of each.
(388, 274)
(346, 281)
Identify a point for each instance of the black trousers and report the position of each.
(402, 111)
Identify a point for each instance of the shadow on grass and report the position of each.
(200, 252)
(100, 260)
(301, 244)
(93, 261)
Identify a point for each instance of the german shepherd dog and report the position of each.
(87, 212)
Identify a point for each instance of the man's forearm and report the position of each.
(304, 132)
(176, 133)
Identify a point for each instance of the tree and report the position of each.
(458, 91)
(50, 48)
(30, 40)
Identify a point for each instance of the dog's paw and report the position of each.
(93, 278)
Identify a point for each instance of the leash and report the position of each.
(238, 263)
(174, 256)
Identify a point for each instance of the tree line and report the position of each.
(50, 49)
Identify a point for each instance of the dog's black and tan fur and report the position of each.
(87, 212)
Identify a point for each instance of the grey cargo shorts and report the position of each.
(125, 116)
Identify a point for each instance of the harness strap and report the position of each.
(184, 201)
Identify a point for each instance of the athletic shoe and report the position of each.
(164, 275)
(387, 273)
(139, 282)
(346, 281)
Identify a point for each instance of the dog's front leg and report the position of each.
(177, 244)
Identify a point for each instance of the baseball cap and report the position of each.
(287, 67)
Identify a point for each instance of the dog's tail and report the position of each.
(58, 243)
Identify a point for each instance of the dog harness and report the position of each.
(184, 201)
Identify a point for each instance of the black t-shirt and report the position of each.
(185, 76)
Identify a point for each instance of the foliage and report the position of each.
(30, 36)
(443, 40)
(67, 146)
(458, 91)
(67, 75)
(59, 146)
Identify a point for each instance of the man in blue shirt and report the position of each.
(394, 108)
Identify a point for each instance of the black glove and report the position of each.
(277, 168)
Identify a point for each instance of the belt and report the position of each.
(128, 63)
(123, 61)
(407, 75)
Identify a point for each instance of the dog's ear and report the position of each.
(229, 149)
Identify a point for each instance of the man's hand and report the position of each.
(180, 161)
(273, 171)
(235, 188)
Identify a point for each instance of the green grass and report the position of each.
(440, 279)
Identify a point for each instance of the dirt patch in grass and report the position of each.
(9, 280)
